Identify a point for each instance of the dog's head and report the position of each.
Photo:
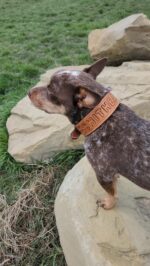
(70, 91)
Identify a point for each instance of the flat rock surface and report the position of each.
(91, 236)
(127, 39)
(35, 135)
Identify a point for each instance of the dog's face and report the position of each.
(69, 91)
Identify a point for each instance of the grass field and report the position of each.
(36, 35)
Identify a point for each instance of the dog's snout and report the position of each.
(29, 94)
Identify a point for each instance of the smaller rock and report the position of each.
(128, 39)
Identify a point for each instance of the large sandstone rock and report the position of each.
(91, 236)
(128, 39)
(35, 135)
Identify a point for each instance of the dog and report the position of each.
(120, 146)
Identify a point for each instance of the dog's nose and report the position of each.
(29, 94)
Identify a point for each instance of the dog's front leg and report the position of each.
(109, 201)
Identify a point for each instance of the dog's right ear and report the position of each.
(96, 68)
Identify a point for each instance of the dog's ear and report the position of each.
(96, 68)
(88, 82)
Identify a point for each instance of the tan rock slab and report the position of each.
(128, 39)
(91, 236)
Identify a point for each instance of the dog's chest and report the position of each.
(95, 148)
(92, 144)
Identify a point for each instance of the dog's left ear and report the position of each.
(96, 68)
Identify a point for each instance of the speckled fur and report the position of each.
(120, 146)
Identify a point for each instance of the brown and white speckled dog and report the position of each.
(121, 145)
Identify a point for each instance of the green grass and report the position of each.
(36, 35)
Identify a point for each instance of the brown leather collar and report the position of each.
(98, 115)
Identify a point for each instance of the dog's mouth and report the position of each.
(75, 134)
(76, 116)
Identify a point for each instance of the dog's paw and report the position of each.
(108, 202)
